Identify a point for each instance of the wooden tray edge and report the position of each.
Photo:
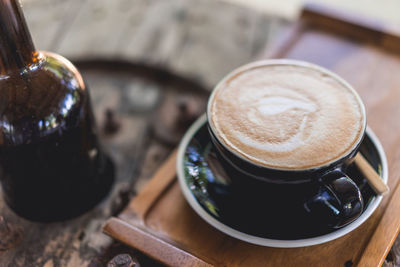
(384, 234)
(153, 246)
(339, 22)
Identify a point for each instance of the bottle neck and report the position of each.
(16, 47)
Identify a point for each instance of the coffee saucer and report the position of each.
(202, 179)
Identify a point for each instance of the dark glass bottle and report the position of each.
(51, 164)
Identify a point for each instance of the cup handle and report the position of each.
(338, 200)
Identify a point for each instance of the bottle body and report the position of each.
(51, 163)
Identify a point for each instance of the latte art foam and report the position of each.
(286, 116)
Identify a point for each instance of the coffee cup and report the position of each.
(284, 132)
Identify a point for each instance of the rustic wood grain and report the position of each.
(365, 65)
(190, 38)
(48, 20)
(200, 44)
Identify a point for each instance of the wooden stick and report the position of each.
(373, 178)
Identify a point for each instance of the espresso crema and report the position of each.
(286, 116)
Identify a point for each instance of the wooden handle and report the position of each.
(374, 180)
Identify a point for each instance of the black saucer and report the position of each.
(207, 189)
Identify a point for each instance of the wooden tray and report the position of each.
(160, 223)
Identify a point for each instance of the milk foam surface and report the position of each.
(286, 116)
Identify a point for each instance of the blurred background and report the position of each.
(385, 10)
(176, 34)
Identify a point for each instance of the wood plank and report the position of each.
(98, 28)
(183, 36)
(49, 20)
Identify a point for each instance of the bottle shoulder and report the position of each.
(42, 98)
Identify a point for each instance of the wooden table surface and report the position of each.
(198, 39)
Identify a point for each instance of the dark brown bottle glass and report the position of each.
(51, 164)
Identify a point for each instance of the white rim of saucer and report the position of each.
(266, 241)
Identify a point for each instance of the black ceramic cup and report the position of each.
(322, 195)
